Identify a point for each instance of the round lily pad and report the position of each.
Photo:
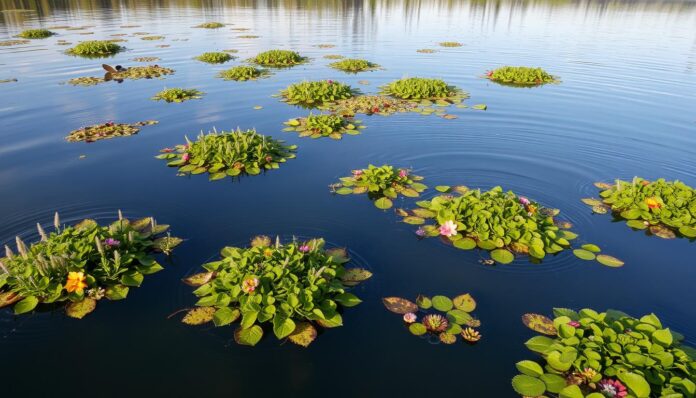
(304, 334)
(636, 224)
(81, 308)
(528, 386)
(502, 256)
(417, 329)
(465, 244)
(465, 302)
(424, 302)
(584, 254)
(591, 247)
(383, 203)
(609, 261)
(442, 303)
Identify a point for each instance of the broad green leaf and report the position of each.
(441, 303)
(79, 309)
(25, 305)
(530, 368)
(528, 386)
(250, 336)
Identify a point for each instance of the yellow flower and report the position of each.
(76, 282)
(653, 203)
(268, 252)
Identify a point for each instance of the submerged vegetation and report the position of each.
(317, 126)
(521, 75)
(95, 48)
(382, 184)
(417, 88)
(243, 73)
(7, 43)
(315, 94)
(106, 130)
(177, 95)
(35, 34)
(353, 65)
(152, 38)
(228, 154)
(292, 288)
(278, 58)
(665, 208)
(132, 73)
(608, 354)
(450, 44)
(441, 317)
(81, 264)
(210, 25)
(214, 57)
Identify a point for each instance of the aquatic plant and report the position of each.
(7, 43)
(317, 126)
(325, 45)
(294, 287)
(248, 37)
(278, 58)
(210, 25)
(426, 51)
(214, 57)
(178, 95)
(608, 354)
(82, 263)
(382, 184)
(95, 48)
(118, 75)
(372, 105)
(440, 316)
(146, 59)
(152, 38)
(106, 130)
(354, 65)
(417, 88)
(665, 208)
(35, 34)
(333, 56)
(228, 154)
(244, 73)
(521, 75)
(450, 44)
(316, 94)
(12, 80)
(498, 221)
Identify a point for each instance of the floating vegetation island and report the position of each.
(426, 51)
(441, 317)
(228, 154)
(665, 208)
(318, 126)
(106, 131)
(354, 65)
(382, 184)
(178, 95)
(243, 73)
(418, 88)
(608, 354)
(293, 288)
(333, 56)
(152, 38)
(316, 94)
(95, 49)
(214, 57)
(81, 264)
(132, 73)
(521, 75)
(373, 105)
(450, 44)
(146, 59)
(210, 25)
(278, 59)
(36, 34)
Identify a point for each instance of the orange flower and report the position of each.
(76, 282)
(653, 203)
(268, 252)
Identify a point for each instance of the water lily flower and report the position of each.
(531, 210)
(111, 242)
(269, 159)
(304, 248)
(249, 285)
(489, 73)
(471, 335)
(420, 232)
(185, 157)
(403, 173)
(330, 81)
(449, 228)
(410, 317)
(524, 201)
(574, 324)
(612, 388)
(167, 150)
(435, 323)
(653, 203)
(357, 173)
(76, 282)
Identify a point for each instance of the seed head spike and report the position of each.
(56, 220)
(41, 232)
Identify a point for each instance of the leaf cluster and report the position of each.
(382, 184)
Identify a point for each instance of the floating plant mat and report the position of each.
(450, 44)
(214, 57)
(106, 131)
(419, 89)
(521, 76)
(278, 59)
(81, 264)
(441, 317)
(500, 222)
(608, 354)
(6, 43)
(152, 38)
(8, 80)
(228, 154)
(243, 73)
(210, 25)
(178, 95)
(317, 94)
(95, 49)
(426, 51)
(381, 184)
(118, 75)
(248, 37)
(317, 126)
(664, 208)
(352, 65)
(333, 56)
(291, 288)
(146, 59)
(36, 34)
(325, 45)
(372, 105)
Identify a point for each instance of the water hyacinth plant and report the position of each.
(228, 154)
(498, 221)
(439, 317)
(35, 34)
(243, 73)
(80, 264)
(417, 89)
(278, 59)
(210, 25)
(178, 95)
(294, 288)
(214, 57)
(316, 94)
(354, 65)
(521, 75)
(608, 354)
(665, 208)
(95, 49)
(382, 184)
(317, 126)
(106, 131)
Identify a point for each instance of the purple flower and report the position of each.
(420, 232)
(574, 324)
(111, 242)
(524, 200)
(403, 173)
(304, 248)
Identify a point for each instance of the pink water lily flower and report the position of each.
(167, 150)
(410, 317)
(574, 324)
(304, 248)
(185, 157)
(249, 285)
(357, 173)
(448, 228)
(111, 242)
(403, 173)
(524, 201)
(612, 388)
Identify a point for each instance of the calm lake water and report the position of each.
(626, 106)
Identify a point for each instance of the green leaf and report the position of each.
(442, 303)
(344, 191)
(502, 256)
(417, 329)
(663, 337)
(225, 316)
(79, 309)
(383, 203)
(571, 391)
(636, 224)
(482, 107)
(689, 232)
(199, 316)
(442, 188)
(414, 220)
(132, 278)
(584, 254)
(25, 305)
(424, 302)
(609, 261)
(250, 336)
(282, 326)
(528, 386)
(636, 384)
(464, 302)
(554, 383)
(116, 292)
(464, 243)
(591, 247)
(347, 299)
(540, 344)
(458, 316)
(530, 368)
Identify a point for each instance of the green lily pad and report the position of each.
(502, 256)
(584, 254)
(442, 303)
(424, 302)
(383, 203)
(79, 309)
(417, 329)
(464, 244)
(414, 220)
(609, 261)
(250, 336)
(528, 386)
(464, 302)
(591, 247)
(353, 276)
(636, 224)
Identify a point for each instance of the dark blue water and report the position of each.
(625, 107)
